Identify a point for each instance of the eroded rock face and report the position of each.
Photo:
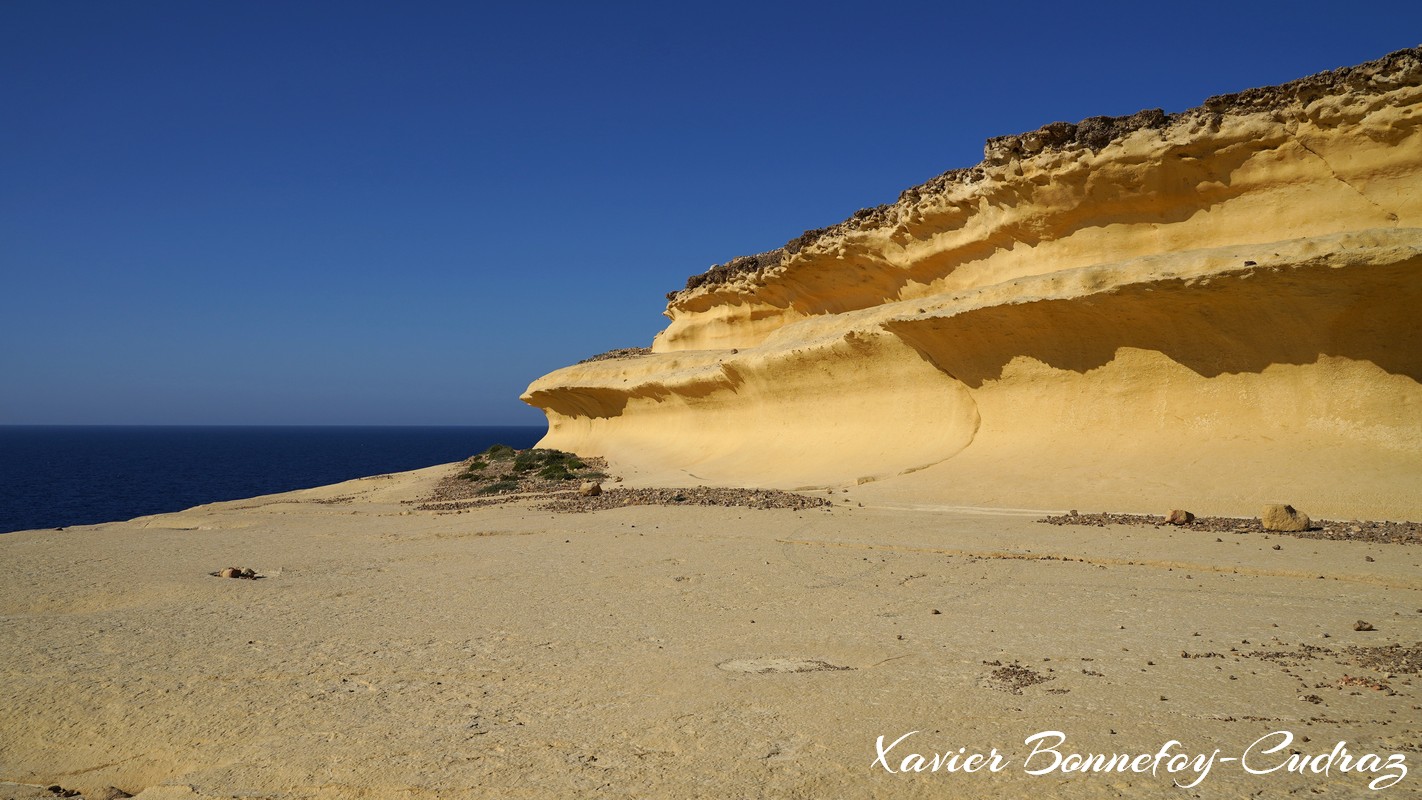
(1219, 302)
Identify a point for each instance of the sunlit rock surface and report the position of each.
(1218, 308)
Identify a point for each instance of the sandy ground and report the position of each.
(688, 652)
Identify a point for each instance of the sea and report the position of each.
(58, 476)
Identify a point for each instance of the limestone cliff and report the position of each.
(1214, 308)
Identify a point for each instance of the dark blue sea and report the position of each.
(58, 476)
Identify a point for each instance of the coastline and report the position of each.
(679, 651)
(63, 475)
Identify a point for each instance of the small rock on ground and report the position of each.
(1280, 517)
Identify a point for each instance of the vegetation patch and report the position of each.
(619, 353)
(503, 470)
(498, 451)
(502, 474)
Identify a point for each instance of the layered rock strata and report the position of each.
(1220, 305)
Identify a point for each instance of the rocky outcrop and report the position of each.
(1218, 304)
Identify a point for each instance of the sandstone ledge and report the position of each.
(1215, 307)
(1395, 70)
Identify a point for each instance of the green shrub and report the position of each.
(476, 465)
(558, 457)
(499, 451)
(556, 472)
(557, 464)
(499, 486)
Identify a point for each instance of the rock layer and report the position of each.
(1214, 307)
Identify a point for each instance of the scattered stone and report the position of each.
(1369, 559)
(1012, 678)
(590, 489)
(619, 497)
(236, 572)
(1363, 625)
(1278, 547)
(1180, 517)
(1392, 659)
(108, 793)
(1280, 517)
(1377, 532)
(1366, 683)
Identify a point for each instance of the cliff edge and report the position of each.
(1215, 308)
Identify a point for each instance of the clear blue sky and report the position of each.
(401, 213)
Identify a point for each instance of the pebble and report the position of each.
(235, 572)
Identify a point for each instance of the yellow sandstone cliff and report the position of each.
(1212, 309)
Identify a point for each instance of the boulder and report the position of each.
(1280, 517)
(590, 489)
(230, 572)
(1180, 517)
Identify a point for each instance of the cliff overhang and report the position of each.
(1216, 305)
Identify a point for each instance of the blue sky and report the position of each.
(402, 213)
